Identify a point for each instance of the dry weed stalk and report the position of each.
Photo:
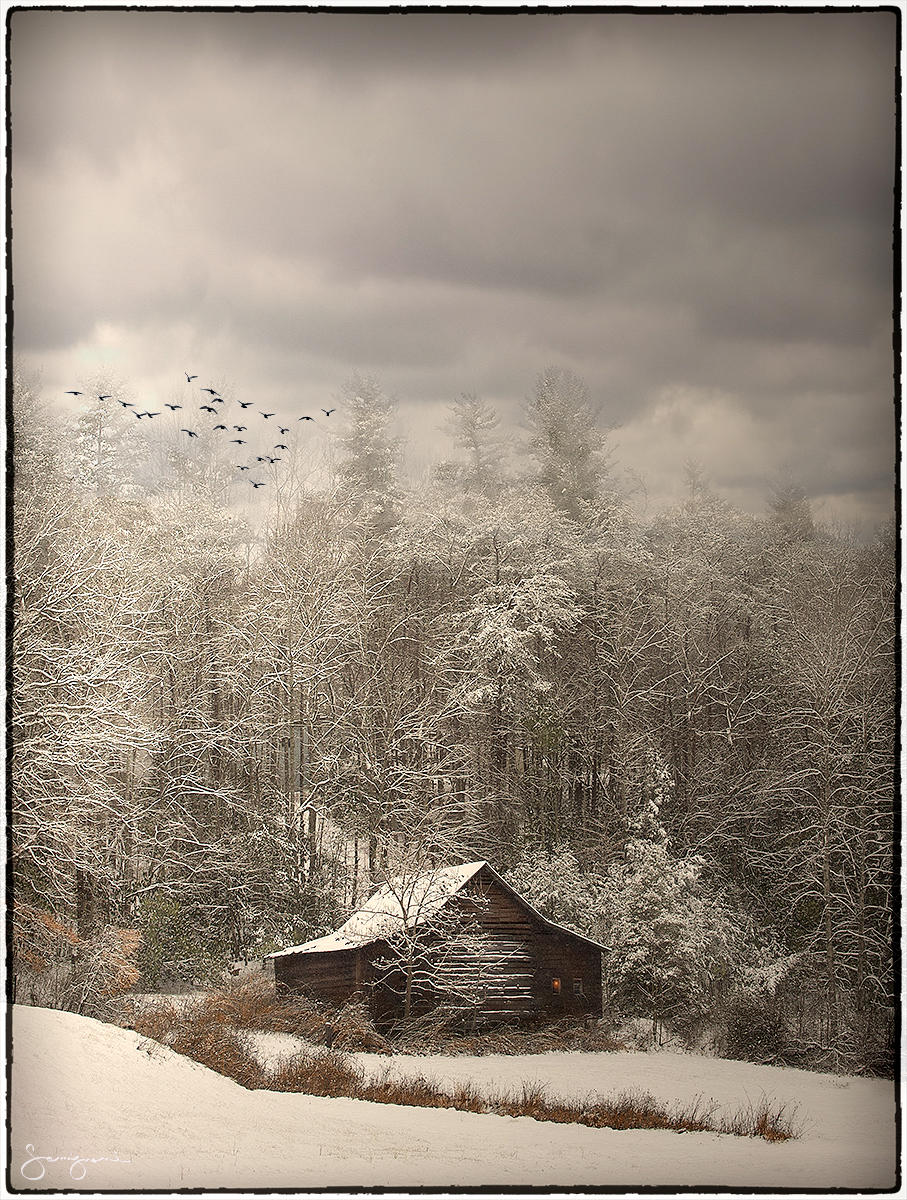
(207, 1033)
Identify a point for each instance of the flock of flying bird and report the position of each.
(216, 398)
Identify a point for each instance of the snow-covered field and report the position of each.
(119, 1113)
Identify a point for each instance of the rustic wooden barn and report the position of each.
(465, 938)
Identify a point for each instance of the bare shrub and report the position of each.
(42, 948)
(192, 1032)
(772, 1120)
(322, 1074)
(352, 1029)
(156, 1021)
(754, 1029)
(219, 1049)
(103, 970)
(254, 1003)
(56, 968)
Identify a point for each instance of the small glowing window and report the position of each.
(555, 986)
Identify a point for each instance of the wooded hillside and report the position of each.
(675, 734)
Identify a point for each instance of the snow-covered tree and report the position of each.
(554, 883)
(369, 451)
(672, 940)
(108, 447)
(791, 517)
(475, 428)
(565, 441)
(826, 811)
(506, 633)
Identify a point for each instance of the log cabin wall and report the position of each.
(330, 976)
(503, 971)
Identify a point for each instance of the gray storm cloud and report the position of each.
(690, 210)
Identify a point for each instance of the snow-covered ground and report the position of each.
(119, 1113)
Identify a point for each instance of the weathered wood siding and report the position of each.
(502, 969)
(331, 976)
(558, 956)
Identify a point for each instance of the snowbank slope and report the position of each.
(81, 1089)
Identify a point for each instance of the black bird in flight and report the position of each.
(216, 400)
(211, 390)
(247, 404)
(237, 442)
(281, 446)
(307, 418)
(284, 429)
(256, 485)
(261, 458)
(240, 468)
(138, 415)
(106, 397)
(151, 414)
(73, 393)
(191, 432)
(240, 428)
(272, 461)
(189, 377)
(173, 407)
(327, 411)
(126, 403)
(207, 408)
(220, 427)
(266, 415)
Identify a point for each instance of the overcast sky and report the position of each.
(693, 212)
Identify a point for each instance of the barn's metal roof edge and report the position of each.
(479, 865)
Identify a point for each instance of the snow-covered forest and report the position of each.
(233, 710)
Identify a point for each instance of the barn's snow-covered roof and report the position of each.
(410, 902)
(405, 902)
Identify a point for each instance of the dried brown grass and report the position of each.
(773, 1121)
(253, 1003)
(332, 1075)
(317, 1074)
(192, 1032)
(210, 1033)
(353, 1030)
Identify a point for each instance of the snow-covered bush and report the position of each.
(674, 943)
(554, 883)
(755, 1029)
